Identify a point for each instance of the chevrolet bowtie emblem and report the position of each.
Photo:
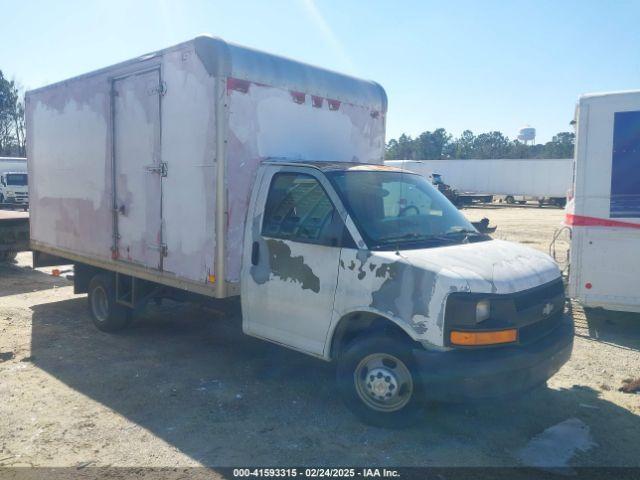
(548, 308)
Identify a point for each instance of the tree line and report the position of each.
(12, 131)
(439, 144)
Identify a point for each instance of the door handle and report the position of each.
(255, 253)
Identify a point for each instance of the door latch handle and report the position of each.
(255, 253)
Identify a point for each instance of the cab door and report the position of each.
(291, 255)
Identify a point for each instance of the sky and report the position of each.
(481, 65)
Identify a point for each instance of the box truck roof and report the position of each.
(224, 59)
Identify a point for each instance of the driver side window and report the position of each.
(299, 209)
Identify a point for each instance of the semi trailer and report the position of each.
(212, 170)
(545, 181)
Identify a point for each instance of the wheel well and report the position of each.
(82, 275)
(364, 323)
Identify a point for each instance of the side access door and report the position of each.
(291, 256)
(138, 169)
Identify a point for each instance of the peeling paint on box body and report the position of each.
(254, 128)
(189, 148)
(76, 215)
(265, 122)
(64, 209)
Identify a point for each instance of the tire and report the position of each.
(510, 200)
(107, 315)
(8, 257)
(390, 362)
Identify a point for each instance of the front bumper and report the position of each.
(474, 374)
(17, 200)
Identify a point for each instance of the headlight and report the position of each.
(483, 309)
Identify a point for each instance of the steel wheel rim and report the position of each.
(100, 304)
(383, 382)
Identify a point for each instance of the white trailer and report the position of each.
(514, 179)
(213, 169)
(604, 214)
(14, 189)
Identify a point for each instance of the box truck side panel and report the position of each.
(149, 117)
(185, 128)
(189, 150)
(69, 147)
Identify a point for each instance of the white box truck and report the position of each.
(604, 215)
(543, 180)
(217, 170)
(14, 189)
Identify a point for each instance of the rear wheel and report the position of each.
(8, 257)
(107, 315)
(510, 200)
(377, 381)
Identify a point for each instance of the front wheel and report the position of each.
(106, 313)
(377, 381)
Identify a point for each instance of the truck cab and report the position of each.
(371, 266)
(14, 188)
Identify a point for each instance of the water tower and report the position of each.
(527, 135)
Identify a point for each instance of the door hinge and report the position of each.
(160, 168)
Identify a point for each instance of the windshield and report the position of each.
(400, 210)
(16, 179)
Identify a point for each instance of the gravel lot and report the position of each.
(184, 387)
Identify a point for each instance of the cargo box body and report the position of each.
(146, 167)
(605, 213)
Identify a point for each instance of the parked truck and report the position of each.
(545, 181)
(14, 234)
(14, 190)
(604, 214)
(213, 170)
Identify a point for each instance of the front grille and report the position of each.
(539, 329)
(538, 296)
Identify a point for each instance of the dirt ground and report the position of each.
(184, 387)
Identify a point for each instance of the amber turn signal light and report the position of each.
(483, 338)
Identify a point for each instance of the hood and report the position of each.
(493, 266)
